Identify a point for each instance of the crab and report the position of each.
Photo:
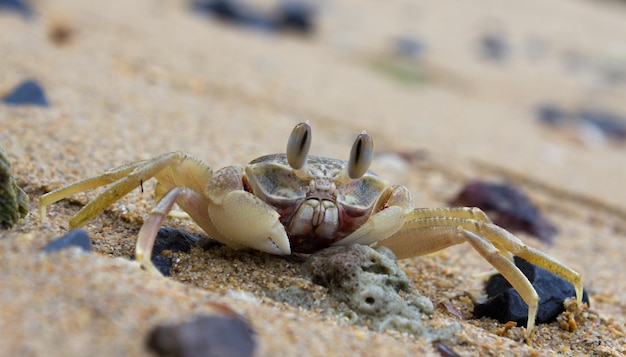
(296, 203)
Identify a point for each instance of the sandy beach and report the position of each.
(449, 91)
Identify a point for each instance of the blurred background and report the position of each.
(535, 87)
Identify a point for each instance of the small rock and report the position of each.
(29, 92)
(13, 200)
(234, 12)
(369, 281)
(551, 114)
(610, 124)
(409, 48)
(505, 304)
(74, 238)
(173, 240)
(508, 207)
(19, 6)
(295, 16)
(494, 46)
(292, 15)
(204, 336)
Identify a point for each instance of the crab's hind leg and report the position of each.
(430, 230)
(124, 179)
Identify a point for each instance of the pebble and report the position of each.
(74, 238)
(409, 47)
(493, 46)
(508, 207)
(369, 281)
(173, 240)
(19, 6)
(204, 336)
(294, 16)
(13, 200)
(603, 123)
(29, 92)
(505, 304)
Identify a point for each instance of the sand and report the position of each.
(131, 81)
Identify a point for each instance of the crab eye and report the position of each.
(298, 145)
(360, 155)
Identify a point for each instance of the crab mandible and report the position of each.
(293, 202)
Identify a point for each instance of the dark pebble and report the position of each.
(21, 7)
(295, 16)
(551, 114)
(204, 336)
(234, 12)
(611, 124)
(494, 47)
(29, 92)
(75, 238)
(289, 16)
(505, 304)
(173, 240)
(409, 48)
(508, 207)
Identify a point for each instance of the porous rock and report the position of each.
(369, 281)
(13, 200)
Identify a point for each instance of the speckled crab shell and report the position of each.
(288, 190)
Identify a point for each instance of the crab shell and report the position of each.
(317, 206)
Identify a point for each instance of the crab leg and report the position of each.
(386, 221)
(440, 231)
(85, 185)
(128, 177)
(150, 228)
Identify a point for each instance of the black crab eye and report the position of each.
(298, 145)
(360, 155)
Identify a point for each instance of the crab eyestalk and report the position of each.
(360, 156)
(298, 146)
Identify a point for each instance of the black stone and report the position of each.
(505, 304)
(611, 124)
(235, 12)
(29, 92)
(289, 16)
(494, 46)
(551, 114)
(204, 336)
(19, 6)
(508, 207)
(75, 238)
(173, 240)
(296, 16)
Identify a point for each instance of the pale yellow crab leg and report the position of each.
(85, 185)
(130, 176)
(421, 236)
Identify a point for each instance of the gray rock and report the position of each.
(376, 291)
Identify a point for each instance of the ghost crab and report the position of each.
(294, 202)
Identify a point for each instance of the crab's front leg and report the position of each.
(389, 215)
(243, 218)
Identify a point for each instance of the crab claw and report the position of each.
(245, 219)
